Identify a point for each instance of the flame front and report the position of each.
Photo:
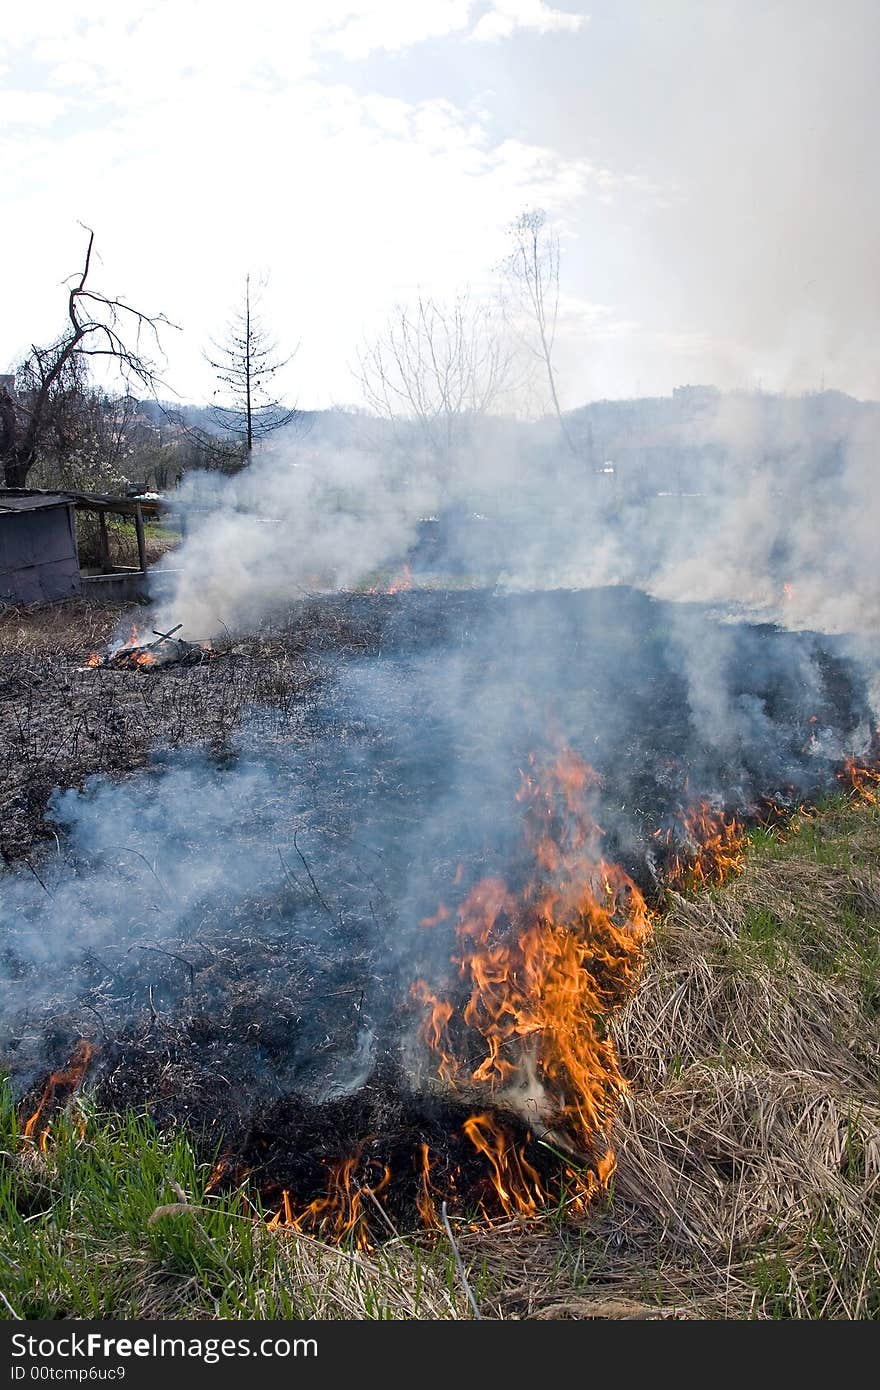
(542, 970)
(400, 584)
(862, 780)
(60, 1086)
(340, 1213)
(715, 849)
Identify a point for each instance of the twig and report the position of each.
(290, 875)
(459, 1264)
(46, 890)
(125, 849)
(100, 1017)
(171, 956)
(368, 1192)
(305, 865)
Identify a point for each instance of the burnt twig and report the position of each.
(318, 895)
(46, 890)
(99, 1016)
(171, 956)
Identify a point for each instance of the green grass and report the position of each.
(843, 940)
(95, 1228)
(832, 832)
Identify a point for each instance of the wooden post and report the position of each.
(139, 528)
(106, 567)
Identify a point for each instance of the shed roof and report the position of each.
(32, 502)
(28, 500)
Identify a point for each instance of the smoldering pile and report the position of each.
(167, 649)
(307, 931)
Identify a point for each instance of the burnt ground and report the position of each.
(599, 659)
(61, 722)
(268, 1015)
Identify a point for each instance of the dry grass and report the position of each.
(289, 1273)
(748, 1180)
(76, 626)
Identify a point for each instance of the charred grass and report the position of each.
(61, 721)
(748, 1180)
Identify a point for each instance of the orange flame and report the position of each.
(399, 584)
(863, 780)
(441, 915)
(716, 849)
(60, 1086)
(425, 1201)
(340, 1212)
(218, 1173)
(543, 969)
(517, 1184)
(402, 582)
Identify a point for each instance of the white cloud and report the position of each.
(75, 74)
(391, 25)
(506, 16)
(29, 108)
(352, 201)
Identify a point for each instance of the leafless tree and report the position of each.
(437, 367)
(246, 363)
(43, 408)
(532, 272)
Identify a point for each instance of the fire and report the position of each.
(143, 657)
(516, 1182)
(541, 970)
(402, 582)
(427, 1208)
(341, 1212)
(441, 915)
(218, 1173)
(60, 1086)
(399, 584)
(863, 781)
(715, 849)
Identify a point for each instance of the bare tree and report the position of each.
(437, 367)
(532, 271)
(246, 364)
(42, 408)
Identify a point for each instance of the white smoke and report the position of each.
(304, 516)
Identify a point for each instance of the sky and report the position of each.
(710, 169)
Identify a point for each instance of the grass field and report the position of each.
(748, 1181)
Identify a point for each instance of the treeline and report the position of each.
(429, 374)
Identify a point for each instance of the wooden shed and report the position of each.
(39, 562)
